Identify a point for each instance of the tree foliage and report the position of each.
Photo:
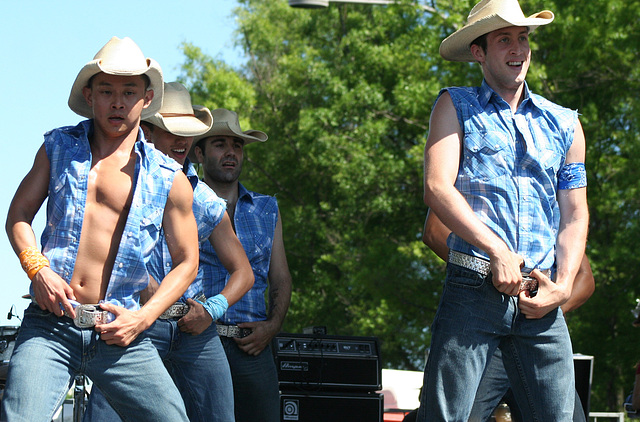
(345, 94)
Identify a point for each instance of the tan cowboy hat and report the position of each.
(485, 17)
(226, 123)
(178, 116)
(118, 57)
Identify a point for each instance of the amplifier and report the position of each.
(334, 407)
(312, 362)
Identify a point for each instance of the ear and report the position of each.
(147, 133)
(148, 97)
(478, 53)
(86, 93)
(197, 151)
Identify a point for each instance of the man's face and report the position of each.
(169, 144)
(117, 102)
(222, 158)
(506, 61)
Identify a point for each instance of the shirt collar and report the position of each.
(485, 93)
(190, 171)
(243, 193)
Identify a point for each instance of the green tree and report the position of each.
(345, 94)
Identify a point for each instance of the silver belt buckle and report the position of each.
(89, 315)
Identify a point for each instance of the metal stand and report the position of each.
(79, 398)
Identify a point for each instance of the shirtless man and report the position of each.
(109, 193)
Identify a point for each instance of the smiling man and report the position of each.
(504, 170)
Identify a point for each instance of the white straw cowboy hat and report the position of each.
(118, 57)
(178, 116)
(485, 17)
(226, 123)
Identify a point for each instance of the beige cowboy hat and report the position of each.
(178, 116)
(485, 17)
(118, 57)
(226, 123)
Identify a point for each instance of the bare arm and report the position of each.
(583, 287)
(49, 288)
(570, 244)
(182, 239)
(435, 235)
(441, 158)
(279, 299)
(233, 257)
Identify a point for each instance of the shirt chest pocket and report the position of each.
(150, 224)
(487, 155)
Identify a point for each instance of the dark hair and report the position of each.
(481, 42)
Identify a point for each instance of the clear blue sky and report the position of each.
(45, 44)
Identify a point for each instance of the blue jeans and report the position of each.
(255, 384)
(49, 353)
(472, 321)
(199, 368)
(494, 387)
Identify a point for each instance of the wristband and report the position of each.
(32, 261)
(216, 306)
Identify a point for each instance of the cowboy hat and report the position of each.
(226, 123)
(485, 17)
(178, 116)
(118, 57)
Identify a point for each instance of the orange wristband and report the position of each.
(32, 261)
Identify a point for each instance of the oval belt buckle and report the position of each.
(87, 315)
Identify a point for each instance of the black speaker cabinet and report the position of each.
(331, 406)
(583, 367)
(324, 362)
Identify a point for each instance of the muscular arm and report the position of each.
(279, 299)
(233, 257)
(570, 244)
(182, 239)
(583, 286)
(441, 158)
(435, 236)
(49, 288)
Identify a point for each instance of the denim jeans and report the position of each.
(473, 319)
(50, 351)
(199, 368)
(255, 384)
(494, 387)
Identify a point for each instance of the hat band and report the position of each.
(177, 115)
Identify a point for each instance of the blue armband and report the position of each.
(216, 306)
(572, 176)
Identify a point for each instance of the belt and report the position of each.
(177, 310)
(87, 315)
(483, 267)
(232, 331)
(180, 309)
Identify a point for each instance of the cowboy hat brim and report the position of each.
(457, 46)
(184, 125)
(78, 103)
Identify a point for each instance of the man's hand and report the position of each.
(505, 272)
(549, 297)
(196, 320)
(126, 326)
(51, 291)
(254, 343)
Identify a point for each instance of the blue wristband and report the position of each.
(216, 306)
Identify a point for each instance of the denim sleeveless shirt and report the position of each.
(69, 155)
(255, 222)
(509, 168)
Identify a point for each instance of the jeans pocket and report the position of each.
(463, 278)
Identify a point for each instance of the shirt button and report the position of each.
(120, 265)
